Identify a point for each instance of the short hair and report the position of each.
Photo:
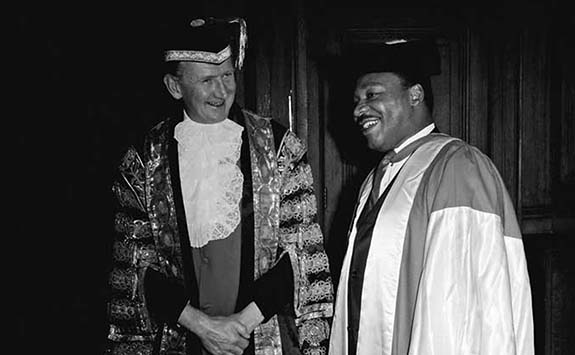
(413, 61)
(408, 81)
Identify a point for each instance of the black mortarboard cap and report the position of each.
(207, 40)
(417, 59)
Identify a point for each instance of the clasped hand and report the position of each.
(225, 335)
(222, 335)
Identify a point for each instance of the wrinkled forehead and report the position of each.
(196, 69)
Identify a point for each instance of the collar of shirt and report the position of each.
(393, 168)
(421, 133)
(186, 117)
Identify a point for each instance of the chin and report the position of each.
(218, 119)
(217, 116)
(373, 145)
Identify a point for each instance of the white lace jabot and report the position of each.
(210, 177)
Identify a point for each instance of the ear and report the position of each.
(173, 86)
(416, 95)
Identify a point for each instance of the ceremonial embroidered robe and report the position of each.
(446, 271)
(278, 212)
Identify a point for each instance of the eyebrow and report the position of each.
(372, 83)
(368, 85)
(206, 76)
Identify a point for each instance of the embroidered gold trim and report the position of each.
(314, 331)
(315, 351)
(300, 179)
(132, 229)
(304, 236)
(198, 56)
(318, 290)
(318, 310)
(266, 189)
(316, 263)
(301, 209)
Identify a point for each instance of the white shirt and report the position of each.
(393, 168)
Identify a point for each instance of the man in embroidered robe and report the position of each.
(218, 250)
(435, 261)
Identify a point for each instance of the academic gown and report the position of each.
(445, 272)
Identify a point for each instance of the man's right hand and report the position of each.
(219, 335)
(224, 335)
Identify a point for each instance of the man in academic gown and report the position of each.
(435, 261)
(218, 250)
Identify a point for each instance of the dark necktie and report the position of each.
(377, 176)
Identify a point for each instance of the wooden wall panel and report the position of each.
(564, 179)
(455, 74)
(259, 66)
(269, 62)
(461, 89)
(302, 96)
(442, 88)
(561, 316)
(536, 251)
(503, 107)
(551, 273)
(567, 129)
(534, 118)
(476, 88)
(281, 52)
(307, 110)
(562, 106)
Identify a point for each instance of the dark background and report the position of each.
(85, 81)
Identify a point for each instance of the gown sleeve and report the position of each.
(474, 295)
(302, 240)
(132, 323)
(274, 290)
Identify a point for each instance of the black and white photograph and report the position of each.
(292, 178)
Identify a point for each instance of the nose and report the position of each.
(360, 109)
(220, 89)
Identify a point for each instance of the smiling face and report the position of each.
(384, 110)
(207, 90)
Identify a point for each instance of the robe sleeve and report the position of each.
(274, 289)
(301, 238)
(165, 299)
(474, 295)
(131, 326)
